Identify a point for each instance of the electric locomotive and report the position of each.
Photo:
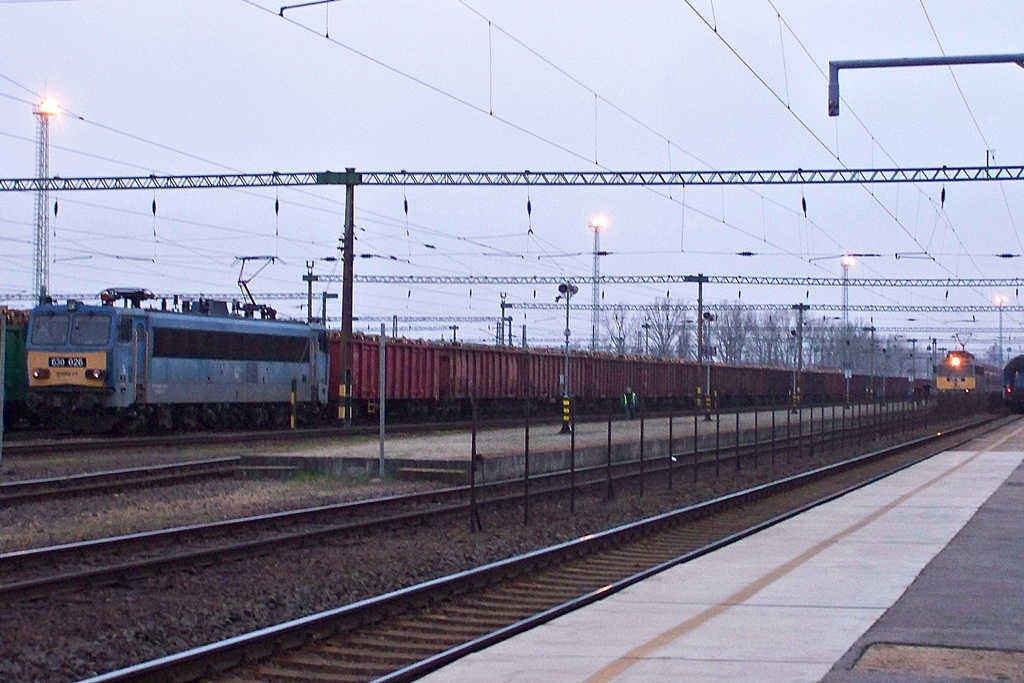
(956, 372)
(97, 367)
(1013, 384)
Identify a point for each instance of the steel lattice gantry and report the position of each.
(676, 279)
(867, 308)
(945, 174)
(407, 319)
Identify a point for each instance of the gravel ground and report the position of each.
(13, 468)
(70, 637)
(33, 525)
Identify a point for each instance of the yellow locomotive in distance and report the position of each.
(957, 372)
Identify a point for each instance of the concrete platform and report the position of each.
(501, 450)
(789, 603)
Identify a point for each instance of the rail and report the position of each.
(484, 586)
(30, 490)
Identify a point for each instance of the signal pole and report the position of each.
(799, 367)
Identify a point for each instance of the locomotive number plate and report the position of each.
(67, 362)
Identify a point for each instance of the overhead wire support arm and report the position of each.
(833, 176)
(313, 3)
(835, 65)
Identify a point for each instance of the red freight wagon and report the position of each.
(436, 380)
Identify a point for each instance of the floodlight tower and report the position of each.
(597, 224)
(43, 111)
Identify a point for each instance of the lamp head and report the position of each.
(598, 223)
(48, 107)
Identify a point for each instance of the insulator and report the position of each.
(405, 203)
(803, 202)
(154, 207)
(277, 207)
(529, 208)
(55, 208)
(942, 198)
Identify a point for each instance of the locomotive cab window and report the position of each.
(49, 330)
(124, 330)
(90, 329)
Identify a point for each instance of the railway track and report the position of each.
(32, 490)
(79, 444)
(38, 572)
(408, 633)
(23, 447)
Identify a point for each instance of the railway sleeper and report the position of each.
(379, 641)
(383, 656)
(311, 661)
(287, 675)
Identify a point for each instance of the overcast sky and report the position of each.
(210, 87)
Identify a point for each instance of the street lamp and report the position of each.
(566, 290)
(597, 224)
(647, 336)
(1001, 301)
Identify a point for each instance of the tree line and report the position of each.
(741, 336)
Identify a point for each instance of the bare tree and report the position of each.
(770, 339)
(665, 325)
(732, 332)
(618, 325)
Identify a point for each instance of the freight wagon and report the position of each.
(15, 375)
(441, 381)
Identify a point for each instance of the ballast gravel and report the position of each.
(76, 635)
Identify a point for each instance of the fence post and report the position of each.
(757, 403)
(671, 457)
(572, 466)
(526, 463)
(474, 512)
(789, 434)
(738, 466)
(696, 464)
(642, 449)
(832, 438)
(773, 431)
(609, 493)
(718, 435)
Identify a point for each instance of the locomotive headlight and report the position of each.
(955, 361)
(94, 374)
(41, 373)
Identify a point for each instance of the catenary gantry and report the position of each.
(796, 176)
